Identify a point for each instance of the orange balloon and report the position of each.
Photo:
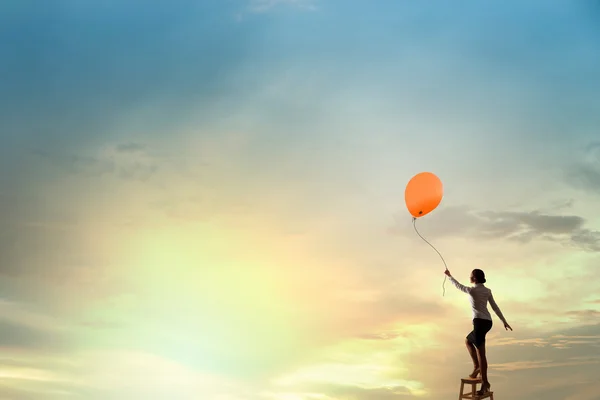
(423, 194)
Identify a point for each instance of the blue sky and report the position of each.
(212, 193)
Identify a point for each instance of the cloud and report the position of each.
(567, 347)
(513, 341)
(518, 226)
(19, 336)
(585, 174)
(7, 392)
(18, 313)
(130, 147)
(108, 374)
(381, 336)
(28, 249)
(126, 161)
(378, 370)
(32, 377)
(335, 392)
(328, 387)
(521, 365)
(25, 328)
(586, 391)
(361, 368)
(583, 315)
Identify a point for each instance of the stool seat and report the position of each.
(471, 380)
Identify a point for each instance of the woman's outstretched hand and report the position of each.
(447, 272)
(507, 326)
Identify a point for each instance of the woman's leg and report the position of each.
(473, 353)
(483, 366)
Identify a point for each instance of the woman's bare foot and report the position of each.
(475, 372)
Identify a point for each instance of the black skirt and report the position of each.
(480, 328)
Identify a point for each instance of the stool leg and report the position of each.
(492, 396)
(462, 388)
(473, 390)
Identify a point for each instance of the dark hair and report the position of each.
(479, 275)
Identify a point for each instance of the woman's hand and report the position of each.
(447, 272)
(507, 326)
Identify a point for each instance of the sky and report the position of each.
(204, 200)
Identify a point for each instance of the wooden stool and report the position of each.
(473, 395)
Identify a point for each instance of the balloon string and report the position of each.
(444, 261)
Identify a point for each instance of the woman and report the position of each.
(479, 295)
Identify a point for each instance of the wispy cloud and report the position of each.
(20, 314)
(335, 392)
(127, 161)
(538, 342)
(521, 365)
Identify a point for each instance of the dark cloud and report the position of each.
(24, 337)
(520, 226)
(31, 250)
(130, 147)
(538, 223)
(587, 239)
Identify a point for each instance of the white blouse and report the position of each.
(479, 296)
